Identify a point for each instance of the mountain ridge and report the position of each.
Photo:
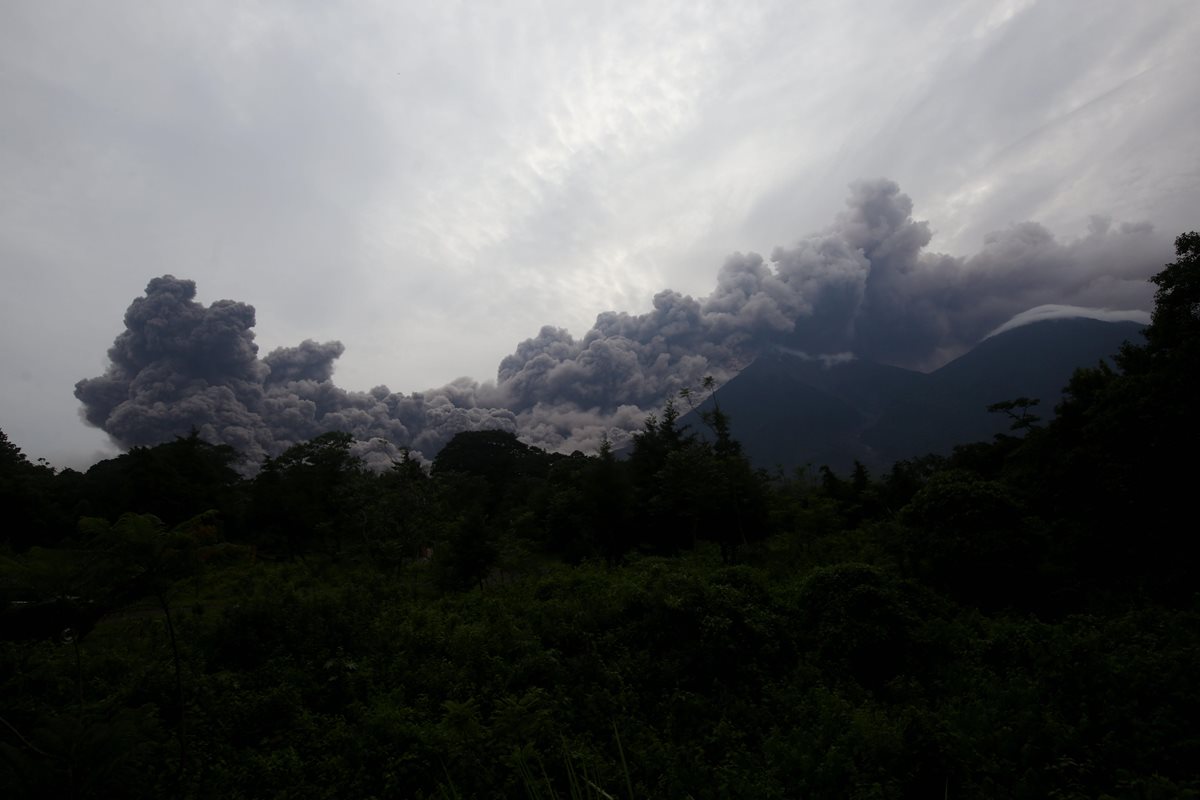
(791, 410)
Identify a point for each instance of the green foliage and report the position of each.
(1174, 331)
(1100, 469)
(861, 623)
(1018, 411)
(173, 481)
(27, 494)
(688, 489)
(400, 514)
(506, 467)
(971, 538)
(465, 557)
(308, 497)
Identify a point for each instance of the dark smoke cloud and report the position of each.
(865, 287)
(181, 365)
(877, 293)
(308, 362)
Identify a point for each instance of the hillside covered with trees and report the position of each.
(1018, 618)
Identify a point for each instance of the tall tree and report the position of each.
(310, 495)
(27, 495)
(1108, 466)
(174, 480)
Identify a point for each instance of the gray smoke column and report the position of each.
(180, 365)
(875, 291)
(864, 287)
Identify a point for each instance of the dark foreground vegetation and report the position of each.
(1018, 619)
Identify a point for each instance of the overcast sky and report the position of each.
(430, 183)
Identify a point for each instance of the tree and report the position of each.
(858, 622)
(1174, 329)
(688, 488)
(969, 537)
(739, 495)
(508, 466)
(658, 438)
(11, 457)
(310, 494)
(662, 507)
(1018, 411)
(32, 515)
(400, 512)
(137, 556)
(466, 556)
(1108, 466)
(608, 496)
(174, 481)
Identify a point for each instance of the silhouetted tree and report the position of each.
(508, 466)
(310, 495)
(466, 556)
(1105, 466)
(34, 512)
(174, 481)
(969, 537)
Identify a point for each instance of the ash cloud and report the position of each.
(865, 287)
(180, 365)
(311, 361)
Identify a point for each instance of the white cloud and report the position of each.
(1055, 311)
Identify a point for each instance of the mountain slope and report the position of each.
(788, 410)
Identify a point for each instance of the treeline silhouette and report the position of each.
(1016, 619)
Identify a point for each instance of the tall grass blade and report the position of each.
(624, 766)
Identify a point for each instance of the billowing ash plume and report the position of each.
(865, 287)
(180, 365)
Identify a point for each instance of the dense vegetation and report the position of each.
(1017, 619)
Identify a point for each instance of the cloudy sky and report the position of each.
(431, 183)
